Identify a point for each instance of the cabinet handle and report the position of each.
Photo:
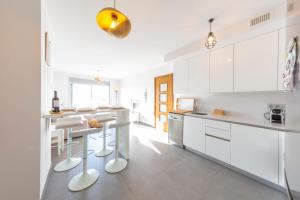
(216, 137)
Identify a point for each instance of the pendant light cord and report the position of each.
(114, 4)
(210, 22)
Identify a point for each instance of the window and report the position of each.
(86, 93)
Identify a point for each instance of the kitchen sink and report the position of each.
(198, 113)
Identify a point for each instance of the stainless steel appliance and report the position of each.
(175, 132)
(276, 113)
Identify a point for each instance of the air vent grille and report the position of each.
(260, 19)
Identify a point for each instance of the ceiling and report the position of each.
(158, 27)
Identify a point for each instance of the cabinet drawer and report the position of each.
(218, 125)
(218, 133)
(217, 148)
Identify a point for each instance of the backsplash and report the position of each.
(252, 104)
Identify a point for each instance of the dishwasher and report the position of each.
(175, 132)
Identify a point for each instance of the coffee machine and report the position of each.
(276, 113)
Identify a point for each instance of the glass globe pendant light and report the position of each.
(113, 22)
(211, 40)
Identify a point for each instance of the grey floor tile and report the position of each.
(158, 171)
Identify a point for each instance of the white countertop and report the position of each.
(59, 115)
(293, 127)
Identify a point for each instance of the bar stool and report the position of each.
(58, 136)
(67, 124)
(117, 164)
(103, 118)
(87, 177)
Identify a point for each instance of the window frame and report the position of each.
(87, 82)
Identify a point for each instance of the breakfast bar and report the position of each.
(108, 115)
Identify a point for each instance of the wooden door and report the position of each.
(163, 100)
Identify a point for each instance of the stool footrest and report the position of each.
(71, 143)
(112, 143)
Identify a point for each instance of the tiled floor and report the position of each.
(158, 171)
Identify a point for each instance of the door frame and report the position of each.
(172, 96)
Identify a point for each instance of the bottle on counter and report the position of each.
(55, 103)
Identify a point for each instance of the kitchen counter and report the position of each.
(121, 116)
(74, 113)
(292, 127)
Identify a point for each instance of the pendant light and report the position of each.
(211, 40)
(97, 78)
(113, 22)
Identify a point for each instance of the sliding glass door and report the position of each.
(87, 94)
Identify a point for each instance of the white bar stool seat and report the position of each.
(117, 164)
(87, 177)
(67, 124)
(103, 118)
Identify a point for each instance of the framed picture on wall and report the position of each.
(47, 49)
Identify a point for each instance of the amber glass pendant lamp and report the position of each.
(113, 22)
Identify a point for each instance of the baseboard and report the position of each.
(143, 124)
(256, 178)
(46, 183)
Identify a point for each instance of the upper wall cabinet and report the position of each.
(221, 70)
(180, 71)
(285, 36)
(199, 74)
(255, 64)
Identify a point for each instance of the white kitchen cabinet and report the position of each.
(218, 148)
(221, 70)
(180, 76)
(292, 162)
(285, 36)
(194, 133)
(255, 150)
(255, 64)
(198, 81)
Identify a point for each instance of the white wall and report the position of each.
(46, 96)
(134, 87)
(250, 104)
(62, 85)
(20, 104)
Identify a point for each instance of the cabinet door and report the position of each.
(292, 162)
(180, 69)
(199, 74)
(255, 150)
(194, 133)
(285, 36)
(255, 64)
(218, 148)
(221, 70)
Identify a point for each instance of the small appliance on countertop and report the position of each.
(276, 113)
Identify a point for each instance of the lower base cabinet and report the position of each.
(255, 150)
(218, 148)
(292, 161)
(194, 133)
